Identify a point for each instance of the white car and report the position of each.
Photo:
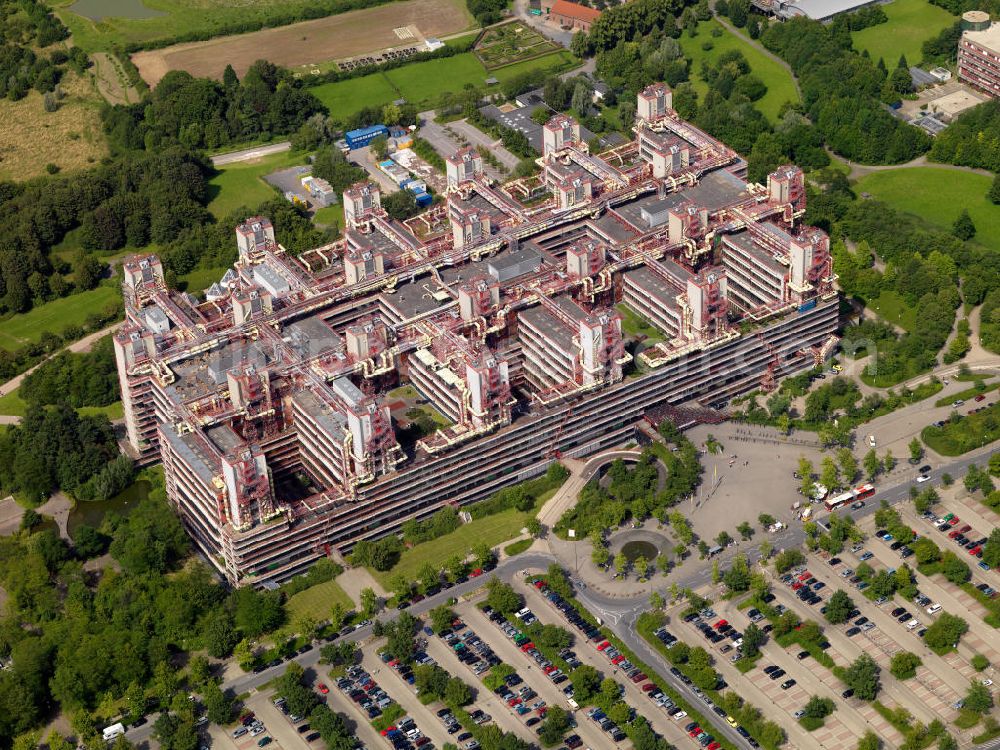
(680, 715)
(922, 478)
(987, 683)
(934, 609)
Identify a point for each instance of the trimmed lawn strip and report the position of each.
(317, 601)
(517, 547)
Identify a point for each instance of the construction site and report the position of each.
(269, 403)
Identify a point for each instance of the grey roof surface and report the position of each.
(270, 279)
(224, 438)
(819, 10)
(412, 298)
(513, 263)
(373, 240)
(347, 391)
(331, 421)
(193, 451)
(311, 337)
(654, 284)
(746, 243)
(554, 331)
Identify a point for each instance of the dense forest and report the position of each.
(204, 113)
(26, 28)
(87, 379)
(843, 91)
(972, 140)
(80, 642)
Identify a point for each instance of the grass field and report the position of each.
(491, 530)
(938, 195)
(421, 83)
(241, 184)
(71, 137)
(634, 324)
(55, 316)
(317, 601)
(12, 405)
(893, 309)
(911, 23)
(780, 86)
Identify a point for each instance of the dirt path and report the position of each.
(111, 81)
(862, 170)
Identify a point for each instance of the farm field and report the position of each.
(356, 32)
(910, 24)
(71, 137)
(421, 82)
(937, 195)
(56, 315)
(780, 86)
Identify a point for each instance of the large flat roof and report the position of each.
(989, 38)
(820, 10)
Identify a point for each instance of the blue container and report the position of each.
(424, 199)
(363, 136)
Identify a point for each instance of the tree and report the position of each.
(829, 473)
(641, 566)
(483, 554)
(502, 597)
(553, 636)
(863, 677)
(944, 632)
(737, 578)
(916, 450)
(218, 706)
(870, 741)
(442, 618)
(979, 662)
(904, 665)
(586, 682)
(753, 638)
(788, 559)
(872, 464)
(766, 548)
(888, 461)
(954, 569)
(818, 708)
(848, 464)
(621, 563)
(991, 550)
(765, 520)
(369, 602)
(978, 698)
(534, 527)
(457, 693)
(716, 572)
(838, 609)
(338, 615)
(963, 228)
(656, 600)
(745, 530)
(553, 727)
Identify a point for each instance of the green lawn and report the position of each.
(200, 279)
(634, 324)
(492, 530)
(780, 86)
(938, 195)
(55, 316)
(12, 405)
(422, 82)
(893, 308)
(910, 24)
(242, 185)
(317, 601)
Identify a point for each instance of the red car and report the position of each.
(953, 533)
(980, 397)
(476, 573)
(528, 646)
(713, 745)
(549, 669)
(954, 521)
(649, 687)
(602, 646)
(720, 624)
(694, 732)
(797, 585)
(539, 583)
(322, 688)
(387, 730)
(965, 529)
(975, 550)
(618, 659)
(541, 710)
(637, 678)
(805, 576)
(514, 702)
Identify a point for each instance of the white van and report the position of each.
(114, 732)
(934, 609)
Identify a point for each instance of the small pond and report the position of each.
(634, 550)
(92, 513)
(98, 10)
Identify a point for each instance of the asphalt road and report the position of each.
(619, 615)
(256, 152)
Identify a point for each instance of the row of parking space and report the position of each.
(782, 685)
(668, 721)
